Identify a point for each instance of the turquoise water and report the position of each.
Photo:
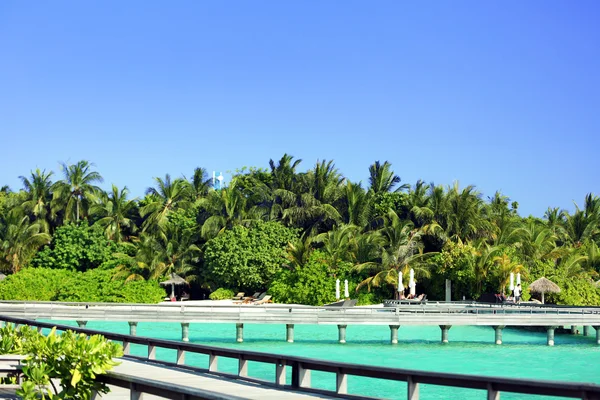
(471, 350)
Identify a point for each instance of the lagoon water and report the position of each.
(471, 350)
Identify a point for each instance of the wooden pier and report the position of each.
(173, 379)
(444, 315)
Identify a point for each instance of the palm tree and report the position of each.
(504, 267)
(484, 261)
(200, 183)
(337, 244)
(172, 251)
(464, 214)
(284, 173)
(75, 192)
(402, 252)
(556, 220)
(382, 178)
(19, 240)
(357, 205)
(162, 200)
(39, 196)
(115, 212)
(226, 207)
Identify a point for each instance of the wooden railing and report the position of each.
(301, 372)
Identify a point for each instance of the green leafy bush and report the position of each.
(44, 284)
(72, 359)
(311, 283)
(221, 294)
(76, 248)
(247, 258)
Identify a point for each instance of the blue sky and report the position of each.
(500, 94)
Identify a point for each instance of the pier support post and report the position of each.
(289, 333)
(394, 334)
(133, 328)
(239, 332)
(586, 330)
(498, 336)
(445, 329)
(550, 335)
(81, 324)
(342, 333)
(597, 328)
(573, 330)
(185, 331)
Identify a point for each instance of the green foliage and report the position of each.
(384, 201)
(221, 294)
(72, 359)
(311, 283)
(455, 262)
(247, 258)
(39, 284)
(99, 285)
(76, 248)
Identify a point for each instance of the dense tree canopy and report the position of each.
(294, 233)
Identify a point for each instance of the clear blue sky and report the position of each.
(501, 94)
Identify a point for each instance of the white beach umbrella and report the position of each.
(512, 281)
(337, 289)
(518, 279)
(411, 283)
(400, 285)
(346, 294)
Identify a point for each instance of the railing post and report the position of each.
(213, 361)
(185, 331)
(289, 333)
(341, 383)
(492, 394)
(413, 389)
(394, 334)
(81, 324)
(40, 329)
(239, 332)
(300, 376)
(180, 357)
(280, 373)
(126, 347)
(151, 352)
(342, 333)
(134, 393)
(132, 328)
(242, 366)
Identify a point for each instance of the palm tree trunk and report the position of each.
(77, 208)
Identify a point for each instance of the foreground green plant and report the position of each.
(71, 358)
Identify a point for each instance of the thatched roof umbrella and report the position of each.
(175, 280)
(542, 286)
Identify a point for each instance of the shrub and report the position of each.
(221, 294)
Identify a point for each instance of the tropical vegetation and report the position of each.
(292, 233)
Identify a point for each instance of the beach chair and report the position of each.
(264, 300)
(238, 296)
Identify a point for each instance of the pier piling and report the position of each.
(133, 328)
(445, 329)
(342, 333)
(239, 332)
(597, 328)
(185, 331)
(550, 335)
(394, 334)
(289, 333)
(498, 336)
(586, 330)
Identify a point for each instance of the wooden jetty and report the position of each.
(444, 315)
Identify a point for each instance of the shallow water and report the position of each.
(471, 350)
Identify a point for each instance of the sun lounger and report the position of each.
(343, 303)
(238, 296)
(264, 300)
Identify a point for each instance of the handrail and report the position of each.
(301, 367)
